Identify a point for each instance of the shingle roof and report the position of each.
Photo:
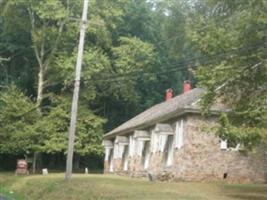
(180, 103)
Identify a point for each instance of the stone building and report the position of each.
(173, 141)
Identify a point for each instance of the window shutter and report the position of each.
(121, 150)
(115, 151)
(131, 146)
(237, 148)
(118, 151)
(111, 164)
(140, 146)
(107, 152)
(179, 134)
(162, 142)
(157, 142)
(154, 142)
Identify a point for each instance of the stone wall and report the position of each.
(200, 158)
(136, 168)
(106, 167)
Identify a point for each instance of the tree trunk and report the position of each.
(38, 105)
(40, 88)
(34, 162)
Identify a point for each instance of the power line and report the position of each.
(180, 66)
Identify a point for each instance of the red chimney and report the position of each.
(187, 86)
(169, 94)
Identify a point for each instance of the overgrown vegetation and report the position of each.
(233, 35)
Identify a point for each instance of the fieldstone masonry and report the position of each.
(199, 159)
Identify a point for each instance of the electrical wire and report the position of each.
(180, 66)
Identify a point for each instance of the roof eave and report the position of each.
(175, 113)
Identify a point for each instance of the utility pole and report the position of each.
(74, 107)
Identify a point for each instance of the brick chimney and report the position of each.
(187, 86)
(169, 94)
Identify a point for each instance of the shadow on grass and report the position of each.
(246, 192)
(248, 197)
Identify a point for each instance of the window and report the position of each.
(115, 152)
(146, 154)
(110, 161)
(118, 150)
(223, 144)
(139, 147)
(168, 151)
(125, 158)
(179, 134)
(229, 145)
(162, 142)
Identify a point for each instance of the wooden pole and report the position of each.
(75, 99)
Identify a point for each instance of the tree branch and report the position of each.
(36, 52)
(239, 76)
(54, 48)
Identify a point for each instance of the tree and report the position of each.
(129, 62)
(52, 129)
(17, 115)
(232, 35)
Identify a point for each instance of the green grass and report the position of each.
(109, 187)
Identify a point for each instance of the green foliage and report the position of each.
(48, 10)
(245, 135)
(17, 115)
(23, 130)
(132, 57)
(232, 34)
(134, 51)
(52, 129)
(123, 37)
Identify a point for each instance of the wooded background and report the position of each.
(134, 51)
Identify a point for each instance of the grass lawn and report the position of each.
(96, 187)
